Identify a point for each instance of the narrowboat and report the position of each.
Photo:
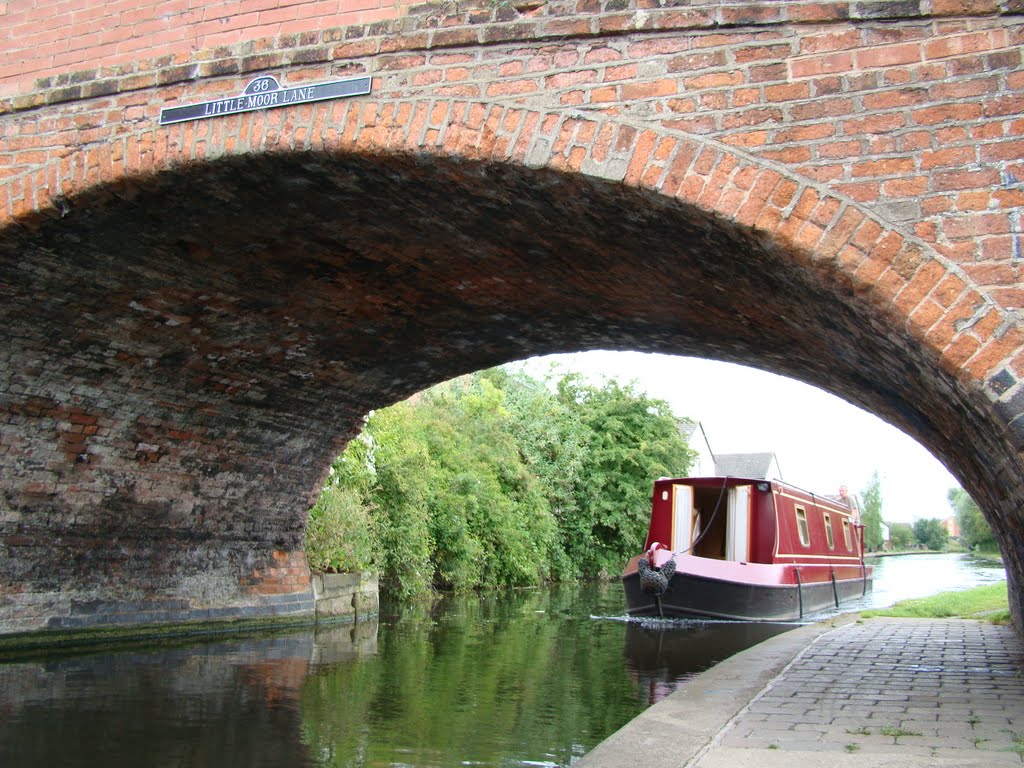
(746, 549)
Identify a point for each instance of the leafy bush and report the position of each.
(901, 535)
(496, 480)
(871, 514)
(401, 495)
(629, 440)
(931, 534)
(339, 532)
(975, 532)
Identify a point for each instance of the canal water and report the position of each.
(527, 678)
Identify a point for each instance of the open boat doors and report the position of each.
(738, 525)
(711, 521)
(683, 519)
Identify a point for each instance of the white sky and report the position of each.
(820, 441)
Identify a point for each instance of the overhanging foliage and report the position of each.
(497, 479)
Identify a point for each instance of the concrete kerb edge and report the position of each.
(681, 728)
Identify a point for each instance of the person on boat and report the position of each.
(850, 500)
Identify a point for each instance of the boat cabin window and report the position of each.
(846, 534)
(801, 526)
(828, 532)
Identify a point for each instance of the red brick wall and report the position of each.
(830, 190)
(42, 38)
(917, 115)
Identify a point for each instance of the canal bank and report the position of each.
(334, 598)
(877, 692)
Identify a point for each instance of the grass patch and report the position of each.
(1018, 743)
(988, 602)
(896, 732)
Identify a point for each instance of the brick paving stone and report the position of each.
(948, 691)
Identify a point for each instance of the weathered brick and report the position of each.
(887, 56)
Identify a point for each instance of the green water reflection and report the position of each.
(525, 678)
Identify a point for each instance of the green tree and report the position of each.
(496, 479)
(553, 445)
(631, 439)
(871, 516)
(931, 534)
(901, 535)
(975, 532)
(401, 490)
(484, 483)
(455, 507)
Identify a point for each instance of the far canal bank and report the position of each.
(535, 677)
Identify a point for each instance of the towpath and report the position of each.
(876, 692)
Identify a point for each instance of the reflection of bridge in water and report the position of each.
(229, 703)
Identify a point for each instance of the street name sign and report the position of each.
(266, 93)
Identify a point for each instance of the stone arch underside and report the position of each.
(188, 350)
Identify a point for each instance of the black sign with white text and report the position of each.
(266, 93)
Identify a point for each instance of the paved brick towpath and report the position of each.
(878, 692)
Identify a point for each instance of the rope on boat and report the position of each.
(714, 514)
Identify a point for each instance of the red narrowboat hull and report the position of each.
(747, 549)
(719, 589)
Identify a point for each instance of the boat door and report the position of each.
(738, 530)
(682, 518)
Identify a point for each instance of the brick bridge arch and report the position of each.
(196, 316)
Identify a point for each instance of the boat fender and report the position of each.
(655, 579)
